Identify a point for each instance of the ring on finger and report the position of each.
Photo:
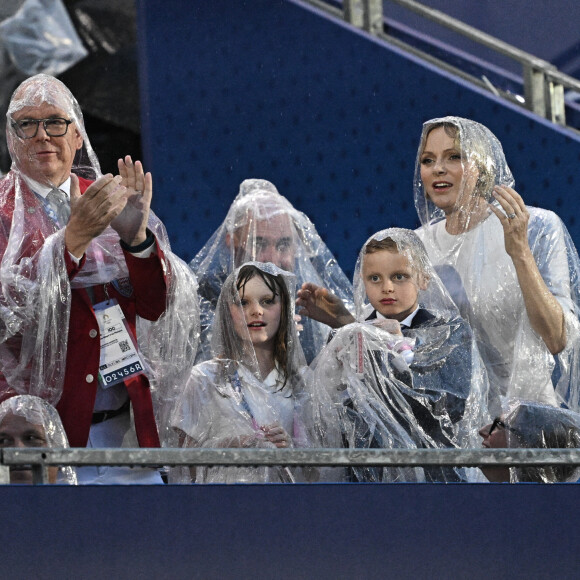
(511, 216)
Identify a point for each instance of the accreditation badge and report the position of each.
(120, 358)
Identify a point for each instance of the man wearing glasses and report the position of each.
(535, 426)
(77, 272)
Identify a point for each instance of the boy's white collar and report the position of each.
(407, 322)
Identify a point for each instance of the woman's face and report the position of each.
(496, 439)
(258, 314)
(442, 171)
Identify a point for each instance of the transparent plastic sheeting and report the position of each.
(532, 425)
(466, 243)
(422, 386)
(235, 399)
(29, 421)
(40, 38)
(35, 288)
(263, 225)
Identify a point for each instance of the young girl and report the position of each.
(247, 394)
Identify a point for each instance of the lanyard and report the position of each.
(237, 384)
(285, 474)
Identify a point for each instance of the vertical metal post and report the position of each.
(373, 16)
(4, 474)
(365, 14)
(354, 12)
(534, 90)
(39, 473)
(555, 103)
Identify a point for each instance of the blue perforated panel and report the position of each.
(272, 89)
(290, 532)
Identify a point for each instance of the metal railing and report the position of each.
(543, 83)
(41, 458)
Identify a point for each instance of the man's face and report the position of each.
(16, 431)
(494, 436)
(43, 158)
(269, 240)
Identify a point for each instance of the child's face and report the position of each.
(261, 313)
(390, 284)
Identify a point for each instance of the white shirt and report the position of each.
(211, 412)
(403, 323)
(44, 190)
(489, 297)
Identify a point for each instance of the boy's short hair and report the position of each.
(374, 245)
(408, 244)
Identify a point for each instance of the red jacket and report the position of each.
(144, 296)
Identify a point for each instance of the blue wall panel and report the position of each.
(367, 531)
(234, 89)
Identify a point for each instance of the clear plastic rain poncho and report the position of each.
(536, 426)
(32, 413)
(263, 225)
(40, 37)
(228, 402)
(35, 288)
(426, 388)
(481, 277)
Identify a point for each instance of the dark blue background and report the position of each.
(233, 89)
(275, 531)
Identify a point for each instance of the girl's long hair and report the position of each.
(227, 344)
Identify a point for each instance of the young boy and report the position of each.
(406, 365)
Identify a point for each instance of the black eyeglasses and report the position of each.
(497, 422)
(53, 127)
